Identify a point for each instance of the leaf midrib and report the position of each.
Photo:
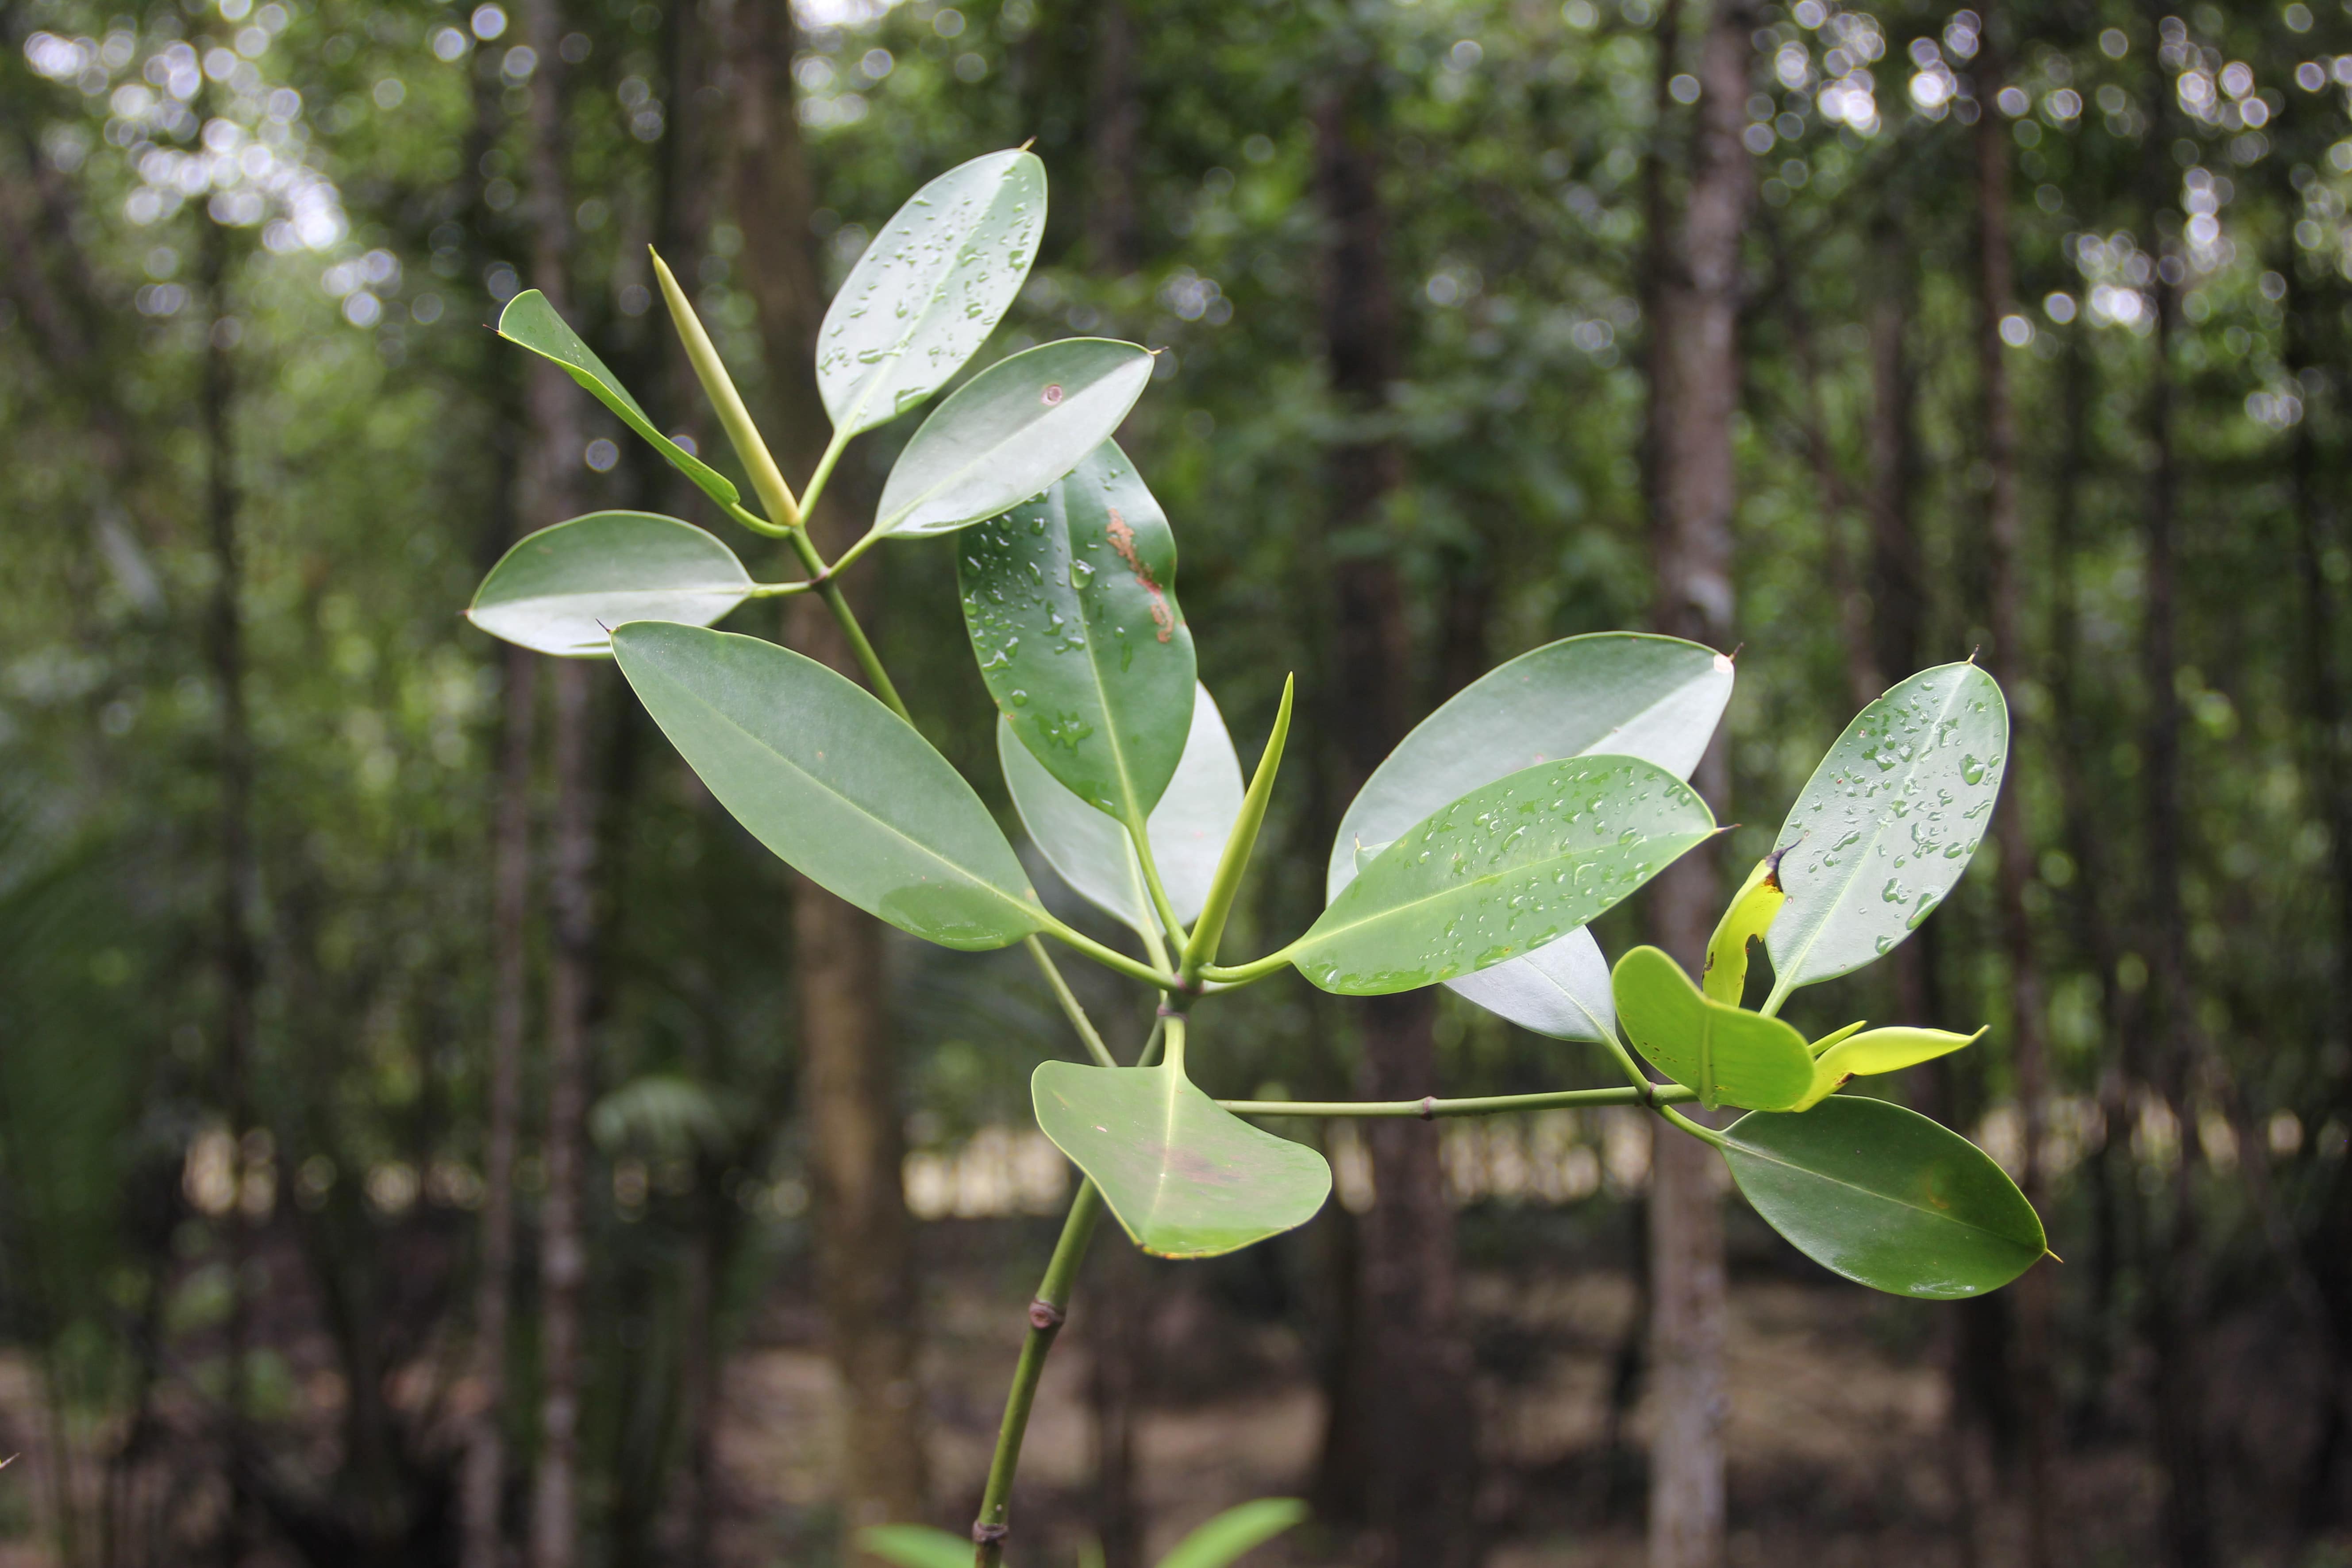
(1318, 933)
(1854, 877)
(1753, 1152)
(886, 826)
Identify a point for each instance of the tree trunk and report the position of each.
(1411, 1377)
(553, 407)
(2179, 1390)
(849, 1070)
(2031, 1362)
(1115, 120)
(239, 956)
(1694, 389)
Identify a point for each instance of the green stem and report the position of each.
(1656, 1095)
(815, 488)
(1243, 973)
(821, 579)
(754, 522)
(1111, 958)
(1140, 836)
(1200, 954)
(1046, 1317)
(1780, 989)
(1070, 1001)
(1428, 1110)
(777, 590)
(1175, 1035)
(1704, 1134)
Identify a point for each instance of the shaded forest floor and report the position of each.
(1842, 1444)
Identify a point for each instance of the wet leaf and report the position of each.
(834, 782)
(1887, 823)
(930, 288)
(1886, 1197)
(1185, 1178)
(1071, 603)
(1188, 827)
(529, 320)
(560, 589)
(1657, 698)
(1510, 866)
(1852, 1054)
(1222, 1540)
(1009, 432)
(1730, 1056)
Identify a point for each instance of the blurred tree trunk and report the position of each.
(848, 1067)
(1118, 1339)
(1693, 392)
(2171, 1277)
(2031, 1365)
(239, 956)
(1410, 1381)
(1115, 132)
(552, 404)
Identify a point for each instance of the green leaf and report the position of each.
(1848, 1054)
(528, 319)
(1887, 823)
(1730, 1056)
(1010, 431)
(834, 782)
(562, 589)
(916, 1546)
(1222, 1540)
(1657, 698)
(930, 288)
(1071, 603)
(1886, 1197)
(1508, 868)
(1188, 827)
(1184, 1178)
(1561, 989)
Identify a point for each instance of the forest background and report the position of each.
(430, 1130)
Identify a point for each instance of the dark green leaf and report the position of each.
(1730, 1056)
(528, 319)
(1188, 827)
(1887, 823)
(930, 288)
(1886, 1197)
(1071, 603)
(834, 782)
(562, 589)
(1510, 866)
(1184, 1178)
(1010, 431)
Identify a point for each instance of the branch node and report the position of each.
(1429, 1108)
(1044, 1316)
(989, 1534)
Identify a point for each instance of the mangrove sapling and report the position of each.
(1475, 856)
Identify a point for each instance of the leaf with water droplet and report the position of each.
(562, 589)
(1846, 908)
(1657, 698)
(939, 286)
(1070, 567)
(1478, 881)
(995, 443)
